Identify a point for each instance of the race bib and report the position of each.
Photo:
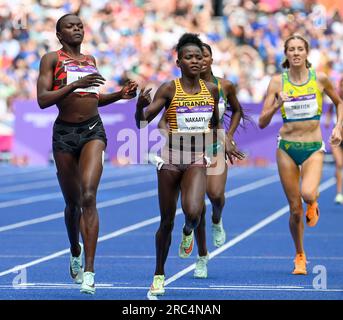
(75, 73)
(193, 120)
(301, 107)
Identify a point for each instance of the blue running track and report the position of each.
(255, 262)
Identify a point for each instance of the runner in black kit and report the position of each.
(70, 80)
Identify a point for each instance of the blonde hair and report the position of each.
(285, 64)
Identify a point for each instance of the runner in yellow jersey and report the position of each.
(192, 110)
(298, 93)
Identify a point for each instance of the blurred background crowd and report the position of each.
(135, 39)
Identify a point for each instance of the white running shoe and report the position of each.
(218, 233)
(200, 270)
(157, 287)
(75, 267)
(339, 198)
(88, 285)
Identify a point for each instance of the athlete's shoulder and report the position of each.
(91, 58)
(275, 83)
(321, 76)
(166, 89)
(49, 58)
(168, 85)
(50, 55)
(227, 84)
(210, 85)
(213, 89)
(277, 78)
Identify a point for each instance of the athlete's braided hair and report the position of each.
(188, 39)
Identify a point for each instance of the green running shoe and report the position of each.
(157, 287)
(75, 267)
(201, 267)
(218, 233)
(186, 245)
(88, 285)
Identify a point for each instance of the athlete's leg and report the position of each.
(168, 193)
(68, 177)
(215, 190)
(337, 153)
(200, 234)
(311, 172)
(289, 175)
(193, 189)
(90, 166)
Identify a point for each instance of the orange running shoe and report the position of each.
(300, 264)
(312, 214)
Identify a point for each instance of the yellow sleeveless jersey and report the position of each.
(190, 113)
(306, 100)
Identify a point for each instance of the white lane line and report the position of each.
(29, 186)
(109, 185)
(23, 171)
(48, 173)
(54, 182)
(276, 215)
(104, 204)
(258, 184)
(113, 286)
(57, 195)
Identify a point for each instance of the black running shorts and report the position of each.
(71, 137)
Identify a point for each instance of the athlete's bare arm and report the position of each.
(163, 125)
(147, 110)
(231, 148)
(230, 91)
(336, 135)
(273, 101)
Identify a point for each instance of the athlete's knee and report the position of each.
(193, 210)
(88, 198)
(309, 196)
(73, 206)
(193, 220)
(339, 166)
(296, 209)
(216, 197)
(166, 225)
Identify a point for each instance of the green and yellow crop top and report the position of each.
(305, 100)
